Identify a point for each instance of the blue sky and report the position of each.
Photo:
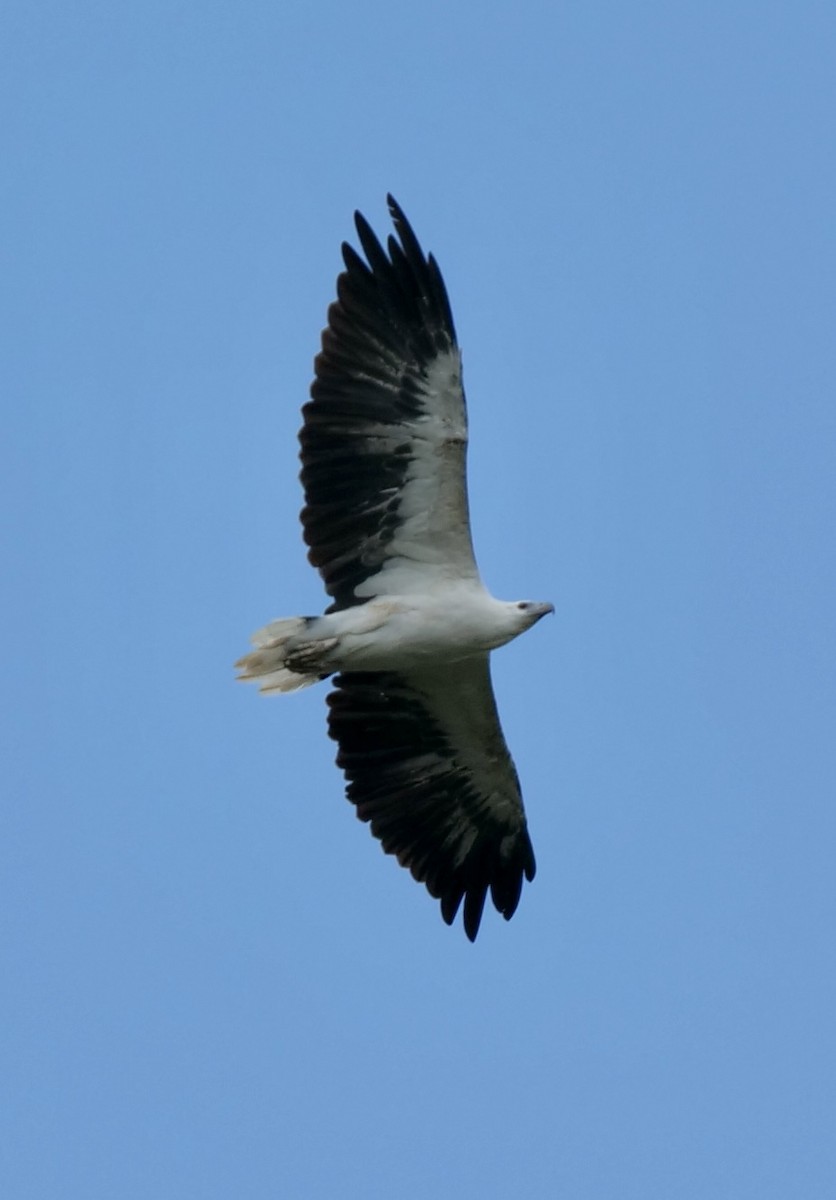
(215, 984)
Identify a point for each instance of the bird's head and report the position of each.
(527, 612)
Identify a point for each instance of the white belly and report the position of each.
(400, 632)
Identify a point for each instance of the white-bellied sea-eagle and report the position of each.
(411, 627)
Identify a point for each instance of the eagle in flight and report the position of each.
(411, 626)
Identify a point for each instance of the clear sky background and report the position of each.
(214, 984)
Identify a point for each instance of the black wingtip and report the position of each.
(474, 906)
(364, 229)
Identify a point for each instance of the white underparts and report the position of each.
(389, 633)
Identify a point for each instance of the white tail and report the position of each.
(266, 664)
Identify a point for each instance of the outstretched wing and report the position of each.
(384, 439)
(428, 767)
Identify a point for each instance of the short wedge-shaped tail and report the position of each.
(267, 664)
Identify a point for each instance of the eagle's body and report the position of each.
(411, 625)
(391, 633)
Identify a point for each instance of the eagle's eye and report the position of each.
(523, 605)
